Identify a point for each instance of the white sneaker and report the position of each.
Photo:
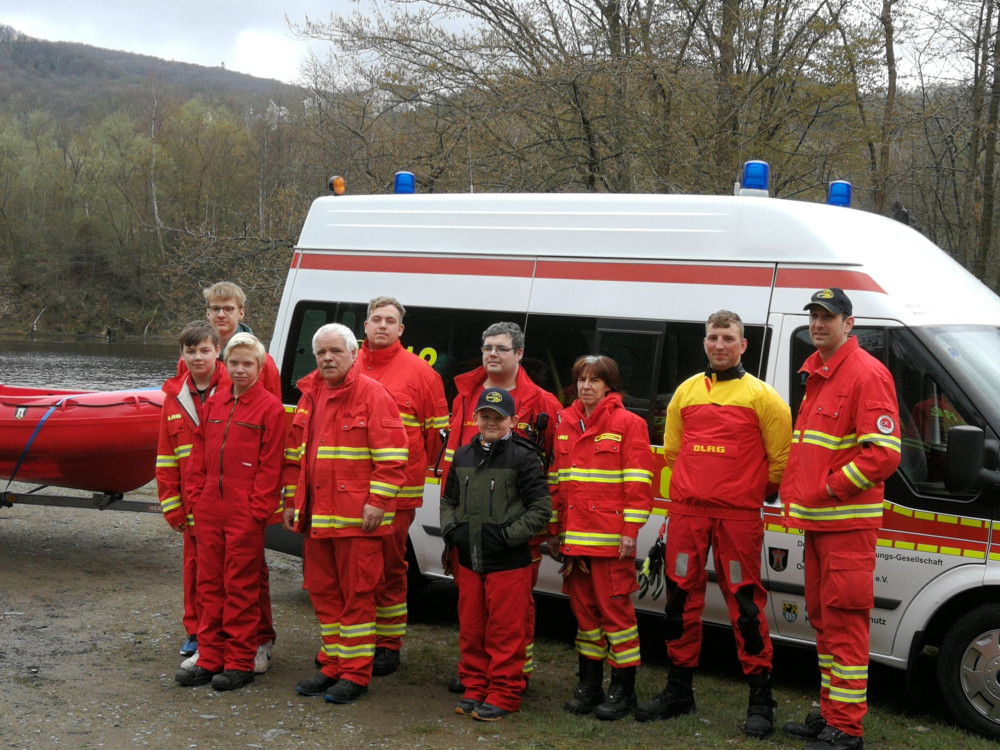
(190, 661)
(263, 659)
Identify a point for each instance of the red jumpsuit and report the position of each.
(602, 489)
(271, 379)
(183, 411)
(726, 440)
(237, 466)
(530, 401)
(419, 395)
(354, 454)
(846, 438)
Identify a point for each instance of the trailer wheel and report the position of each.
(969, 670)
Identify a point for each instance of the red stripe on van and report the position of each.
(659, 273)
(410, 264)
(818, 278)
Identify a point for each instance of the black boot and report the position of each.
(677, 698)
(760, 710)
(621, 696)
(589, 693)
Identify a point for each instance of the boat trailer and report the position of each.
(95, 501)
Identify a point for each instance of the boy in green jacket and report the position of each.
(495, 500)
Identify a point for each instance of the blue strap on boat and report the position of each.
(27, 446)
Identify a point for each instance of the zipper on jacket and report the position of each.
(493, 483)
(225, 435)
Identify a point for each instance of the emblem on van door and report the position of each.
(790, 611)
(777, 558)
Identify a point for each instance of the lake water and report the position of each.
(90, 366)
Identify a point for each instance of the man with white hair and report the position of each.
(345, 462)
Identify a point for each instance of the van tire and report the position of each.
(968, 670)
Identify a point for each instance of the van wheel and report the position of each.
(969, 670)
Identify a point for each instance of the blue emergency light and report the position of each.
(756, 179)
(838, 193)
(405, 182)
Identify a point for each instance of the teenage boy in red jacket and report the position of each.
(236, 470)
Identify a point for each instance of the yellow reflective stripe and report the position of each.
(363, 650)
(845, 672)
(289, 491)
(295, 453)
(825, 440)
(554, 518)
(847, 695)
(574, 474)
(409, 420)
(382, 488)
(168, 504)
(632, 515)
(390, 454)
(390, 630)
(589, 635)
(835, 513)
(190, 519)
(395, 610)
(166, 462)
(343, 452)
(449, 454)
(327, 629)
(624, 658)
(825, 661)
(411, 491)
(638, 475)
(858, 479)
(343, 522)
(438, 423)
(183, 451)
(357, 631)
(883, 441)
(796, 436)
(592, 540)
(621, 636)
(591, 650)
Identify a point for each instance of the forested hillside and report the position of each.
(127, 183)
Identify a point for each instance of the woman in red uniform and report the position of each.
(602, 493)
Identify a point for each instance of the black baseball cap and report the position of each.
(833, 300)
(497, 399)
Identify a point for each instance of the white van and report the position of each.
(635, 277)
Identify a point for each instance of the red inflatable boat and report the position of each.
(101, 441)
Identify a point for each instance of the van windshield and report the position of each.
(972, 356)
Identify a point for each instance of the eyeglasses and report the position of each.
(497, 349)
(228, 309)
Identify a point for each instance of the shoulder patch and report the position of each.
(885, 424)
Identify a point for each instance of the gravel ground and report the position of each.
(90, 611)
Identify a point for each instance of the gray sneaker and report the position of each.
(190, 661)
(263, 658)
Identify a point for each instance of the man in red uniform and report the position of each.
(236, 472)
(845, 445)
(503, 348)
(226, 307)
(419, 394)
(726, 440)
(344, 465)
(183, 411)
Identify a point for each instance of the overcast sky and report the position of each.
(249, 36)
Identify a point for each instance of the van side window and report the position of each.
(929, 401)
(654, 356)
